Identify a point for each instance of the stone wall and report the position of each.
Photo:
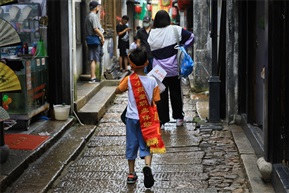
(202, 46)
(232, 60)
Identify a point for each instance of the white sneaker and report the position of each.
(180, 122)
(162, 126)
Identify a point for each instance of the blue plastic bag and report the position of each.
(185, 62)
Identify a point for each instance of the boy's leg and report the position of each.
(148, 160)
(132, 177)
(131, 164)
(145, 153)
(131, 148)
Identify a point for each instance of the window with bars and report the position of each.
(110, 10)
(109, 16)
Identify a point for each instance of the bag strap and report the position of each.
(177, 35)
(178, 53)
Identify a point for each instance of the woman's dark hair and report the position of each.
(162, 19)
(138, 56)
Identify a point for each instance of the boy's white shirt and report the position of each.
(133, 46)
(149, 84)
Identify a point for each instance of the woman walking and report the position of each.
(162, 40)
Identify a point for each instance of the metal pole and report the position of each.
(214, 80)
(265, 94)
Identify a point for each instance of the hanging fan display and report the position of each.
(8, 79)
(1, 12)
(26, 12)
(7, 2)
(14, 13)
(8, 34)
(3, 114)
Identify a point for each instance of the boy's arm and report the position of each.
(156, 95)
(118, 91)
(122, 87)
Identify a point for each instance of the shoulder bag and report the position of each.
(92, 40)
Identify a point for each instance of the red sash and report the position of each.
(148, 117)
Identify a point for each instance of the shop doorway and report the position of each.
(261, 62)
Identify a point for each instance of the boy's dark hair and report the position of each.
(138, 56)
(134, 38)
(125, 17)
(162, 19)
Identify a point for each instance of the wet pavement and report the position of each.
(195, 161)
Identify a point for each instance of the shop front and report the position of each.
(27, 58)
(23, 63)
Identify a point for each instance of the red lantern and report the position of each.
(137, 9)
(183, 4)
(149, 7)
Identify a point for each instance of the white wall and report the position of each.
(79, 65)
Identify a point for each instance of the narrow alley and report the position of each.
(237, 143)
(206, 161)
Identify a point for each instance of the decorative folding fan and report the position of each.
(8, 34)
(1, 12)
(7, 2)
(3, 114)
(14, 13)
(26, 12)
(8, 79)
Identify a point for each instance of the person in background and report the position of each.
(93, 27)
(142, 35)
(123, 42)
(133, 45)
(162, 41)
(134, 136)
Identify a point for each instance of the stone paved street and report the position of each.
(196, 161)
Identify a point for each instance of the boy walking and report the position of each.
(142, 127)
(123, 42)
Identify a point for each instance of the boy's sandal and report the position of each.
(148, 177)
(131, 178)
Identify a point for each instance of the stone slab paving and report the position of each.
(195, 161)
(38, 175)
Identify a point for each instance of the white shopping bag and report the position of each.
(159, 74)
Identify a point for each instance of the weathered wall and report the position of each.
(202, 46)
(232, 60)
